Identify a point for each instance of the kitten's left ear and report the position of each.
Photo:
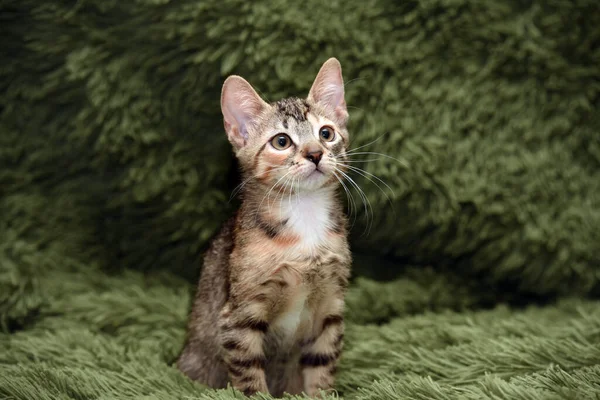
(240, 105)
(328, 90)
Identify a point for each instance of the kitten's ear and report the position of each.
(240, 105)
(328, 90)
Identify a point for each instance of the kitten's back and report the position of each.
(200, 358)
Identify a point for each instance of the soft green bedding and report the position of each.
(479, 275)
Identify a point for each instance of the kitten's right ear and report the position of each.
(328, 90)
(240, 105)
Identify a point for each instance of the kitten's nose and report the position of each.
(314, 156)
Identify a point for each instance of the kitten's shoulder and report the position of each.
(214, 280)
(223, 242)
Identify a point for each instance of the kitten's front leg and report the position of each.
(320, 355)
(242, 330)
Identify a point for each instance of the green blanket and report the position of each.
(476, 272)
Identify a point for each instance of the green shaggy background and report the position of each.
(479, 279)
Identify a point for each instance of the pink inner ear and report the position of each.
(330, 94)
(240, 105)
(328, 88)
(239, 117)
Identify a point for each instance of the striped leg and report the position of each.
(242, 335)
(319, 357)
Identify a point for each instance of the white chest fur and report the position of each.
(308, 217)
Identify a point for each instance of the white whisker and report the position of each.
(365, 145)
(364, 198)
(366, 174)
(239, 187)
(269, 192)
(280, 194)
(291, 191)
(351, 203)
(352, 80)
(291, 182)
(362, 161)
(373, 153)
(361, 171)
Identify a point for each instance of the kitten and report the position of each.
(268, 315)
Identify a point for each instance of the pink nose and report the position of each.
(315, 156)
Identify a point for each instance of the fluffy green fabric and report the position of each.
(100, 336)
(115, 172)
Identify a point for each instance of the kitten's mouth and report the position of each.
(313, 176)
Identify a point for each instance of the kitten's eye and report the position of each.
(327, 133)
(281, 141)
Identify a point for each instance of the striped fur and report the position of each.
(268, 314)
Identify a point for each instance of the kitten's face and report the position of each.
(296, 146)
(293, 144)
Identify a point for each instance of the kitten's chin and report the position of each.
(316, 179)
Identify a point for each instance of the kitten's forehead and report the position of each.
(291, 108)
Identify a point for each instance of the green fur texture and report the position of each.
(476, 270)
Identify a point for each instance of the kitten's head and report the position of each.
(295, 142)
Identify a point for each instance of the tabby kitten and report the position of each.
(268, 312)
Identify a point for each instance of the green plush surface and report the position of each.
(100, 336)
(115, 173)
